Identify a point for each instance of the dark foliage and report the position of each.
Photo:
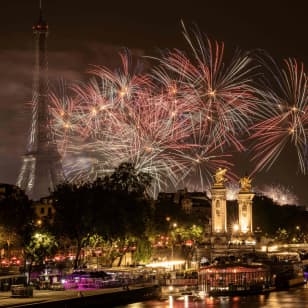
(16, 213)
(113, 207)
(270, 216)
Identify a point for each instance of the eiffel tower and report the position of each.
(41, 165)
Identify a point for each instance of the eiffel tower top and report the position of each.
(41, 24)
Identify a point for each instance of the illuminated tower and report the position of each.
(244, 200)
(219, 204)
(41, 165)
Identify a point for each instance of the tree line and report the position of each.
(113, 213)
(116, 214)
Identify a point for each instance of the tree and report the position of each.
(16, 216)
(265, 215)
(125, 178)
(123, 210)
(270, 216)
(187, 236)
(74, 217)
(143, 250)
(40, 246)
(114, 207)
(282, 236)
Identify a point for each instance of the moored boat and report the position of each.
(225, 280)
(287, 269)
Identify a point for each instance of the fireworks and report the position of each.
(283, 116)
(220, 93)
(280, 194)
(182, 121)
(232, 191)
(115, 121)
(167, 131)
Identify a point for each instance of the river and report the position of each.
(293, 298)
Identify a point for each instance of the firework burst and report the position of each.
(175, 124)
(283, 115)
(220, 94)
(280, 194)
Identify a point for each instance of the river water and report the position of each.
(293, 298)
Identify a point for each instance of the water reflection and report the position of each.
(293, 298)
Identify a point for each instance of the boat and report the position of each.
(234, 279)
(287, 269)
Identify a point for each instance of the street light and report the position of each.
(236, 227)
(235, 233)
(173, 225)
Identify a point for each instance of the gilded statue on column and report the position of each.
(220, 176)
(245, 183)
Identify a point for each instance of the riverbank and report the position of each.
(82, 298)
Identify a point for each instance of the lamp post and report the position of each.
(174, 225)
(235, 229)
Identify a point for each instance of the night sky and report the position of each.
(93, 31)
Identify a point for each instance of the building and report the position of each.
(195, 204)
(44, 211)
